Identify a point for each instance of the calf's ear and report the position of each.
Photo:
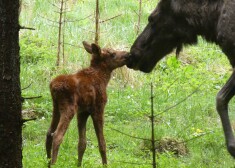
(87, 47)
(96, 49)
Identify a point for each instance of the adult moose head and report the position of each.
(175, 23)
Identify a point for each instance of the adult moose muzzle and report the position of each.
(175, 23)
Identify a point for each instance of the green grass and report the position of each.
(203, 67)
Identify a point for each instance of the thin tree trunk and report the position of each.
(139, 17)
(97, 24)
(59, 33)
(10, 92)
(64, 21)
(153, 130)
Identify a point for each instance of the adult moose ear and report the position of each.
(96, 49)
(87, 47)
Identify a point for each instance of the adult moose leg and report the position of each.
(82, 120)
(98, 121)
(222, 100)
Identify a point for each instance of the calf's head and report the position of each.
(166, 30)
(106, 58)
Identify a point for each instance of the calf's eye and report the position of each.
(113, 55)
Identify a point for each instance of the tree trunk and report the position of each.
(10, 92)
(97, 22)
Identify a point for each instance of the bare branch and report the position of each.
(54, 5)
(134, 163)
(63, 12)
(28, 28)
(181, 101)
(90, 31)
(102, 21)
(48, 19)
(135, 12)
(78, 19)
(27, 86)
(130, 135)
(196, 137)
(27, 120)
(29, 98)
(77, 46)
(53, 25)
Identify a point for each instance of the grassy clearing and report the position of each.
(203, 67)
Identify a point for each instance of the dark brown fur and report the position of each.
(83, 93)
(175, 23)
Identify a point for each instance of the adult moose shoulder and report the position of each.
(175, 23)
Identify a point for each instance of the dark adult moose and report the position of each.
(175, 23)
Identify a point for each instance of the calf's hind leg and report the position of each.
(67, 113)
(82, 120)
(54, 123)
(222, 100)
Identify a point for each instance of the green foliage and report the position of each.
(203, 68)
(34, 50)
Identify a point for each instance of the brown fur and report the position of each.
(83, 93)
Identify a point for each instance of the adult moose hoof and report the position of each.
(231, 149)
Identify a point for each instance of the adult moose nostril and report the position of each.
(129, 59)
(127, 56)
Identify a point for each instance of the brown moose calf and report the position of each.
(83, 93)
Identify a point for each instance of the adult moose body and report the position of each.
(175, 23)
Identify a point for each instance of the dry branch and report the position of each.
(27, 86)
(48, 19)
(27, 120)
(134, 163)
(28, 28)
(77, 46)
(78, 19)
(181, 101)
(28, 98)
(131, 135)
(102, 21)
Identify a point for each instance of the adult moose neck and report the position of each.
(202, 16)
(171, 25)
